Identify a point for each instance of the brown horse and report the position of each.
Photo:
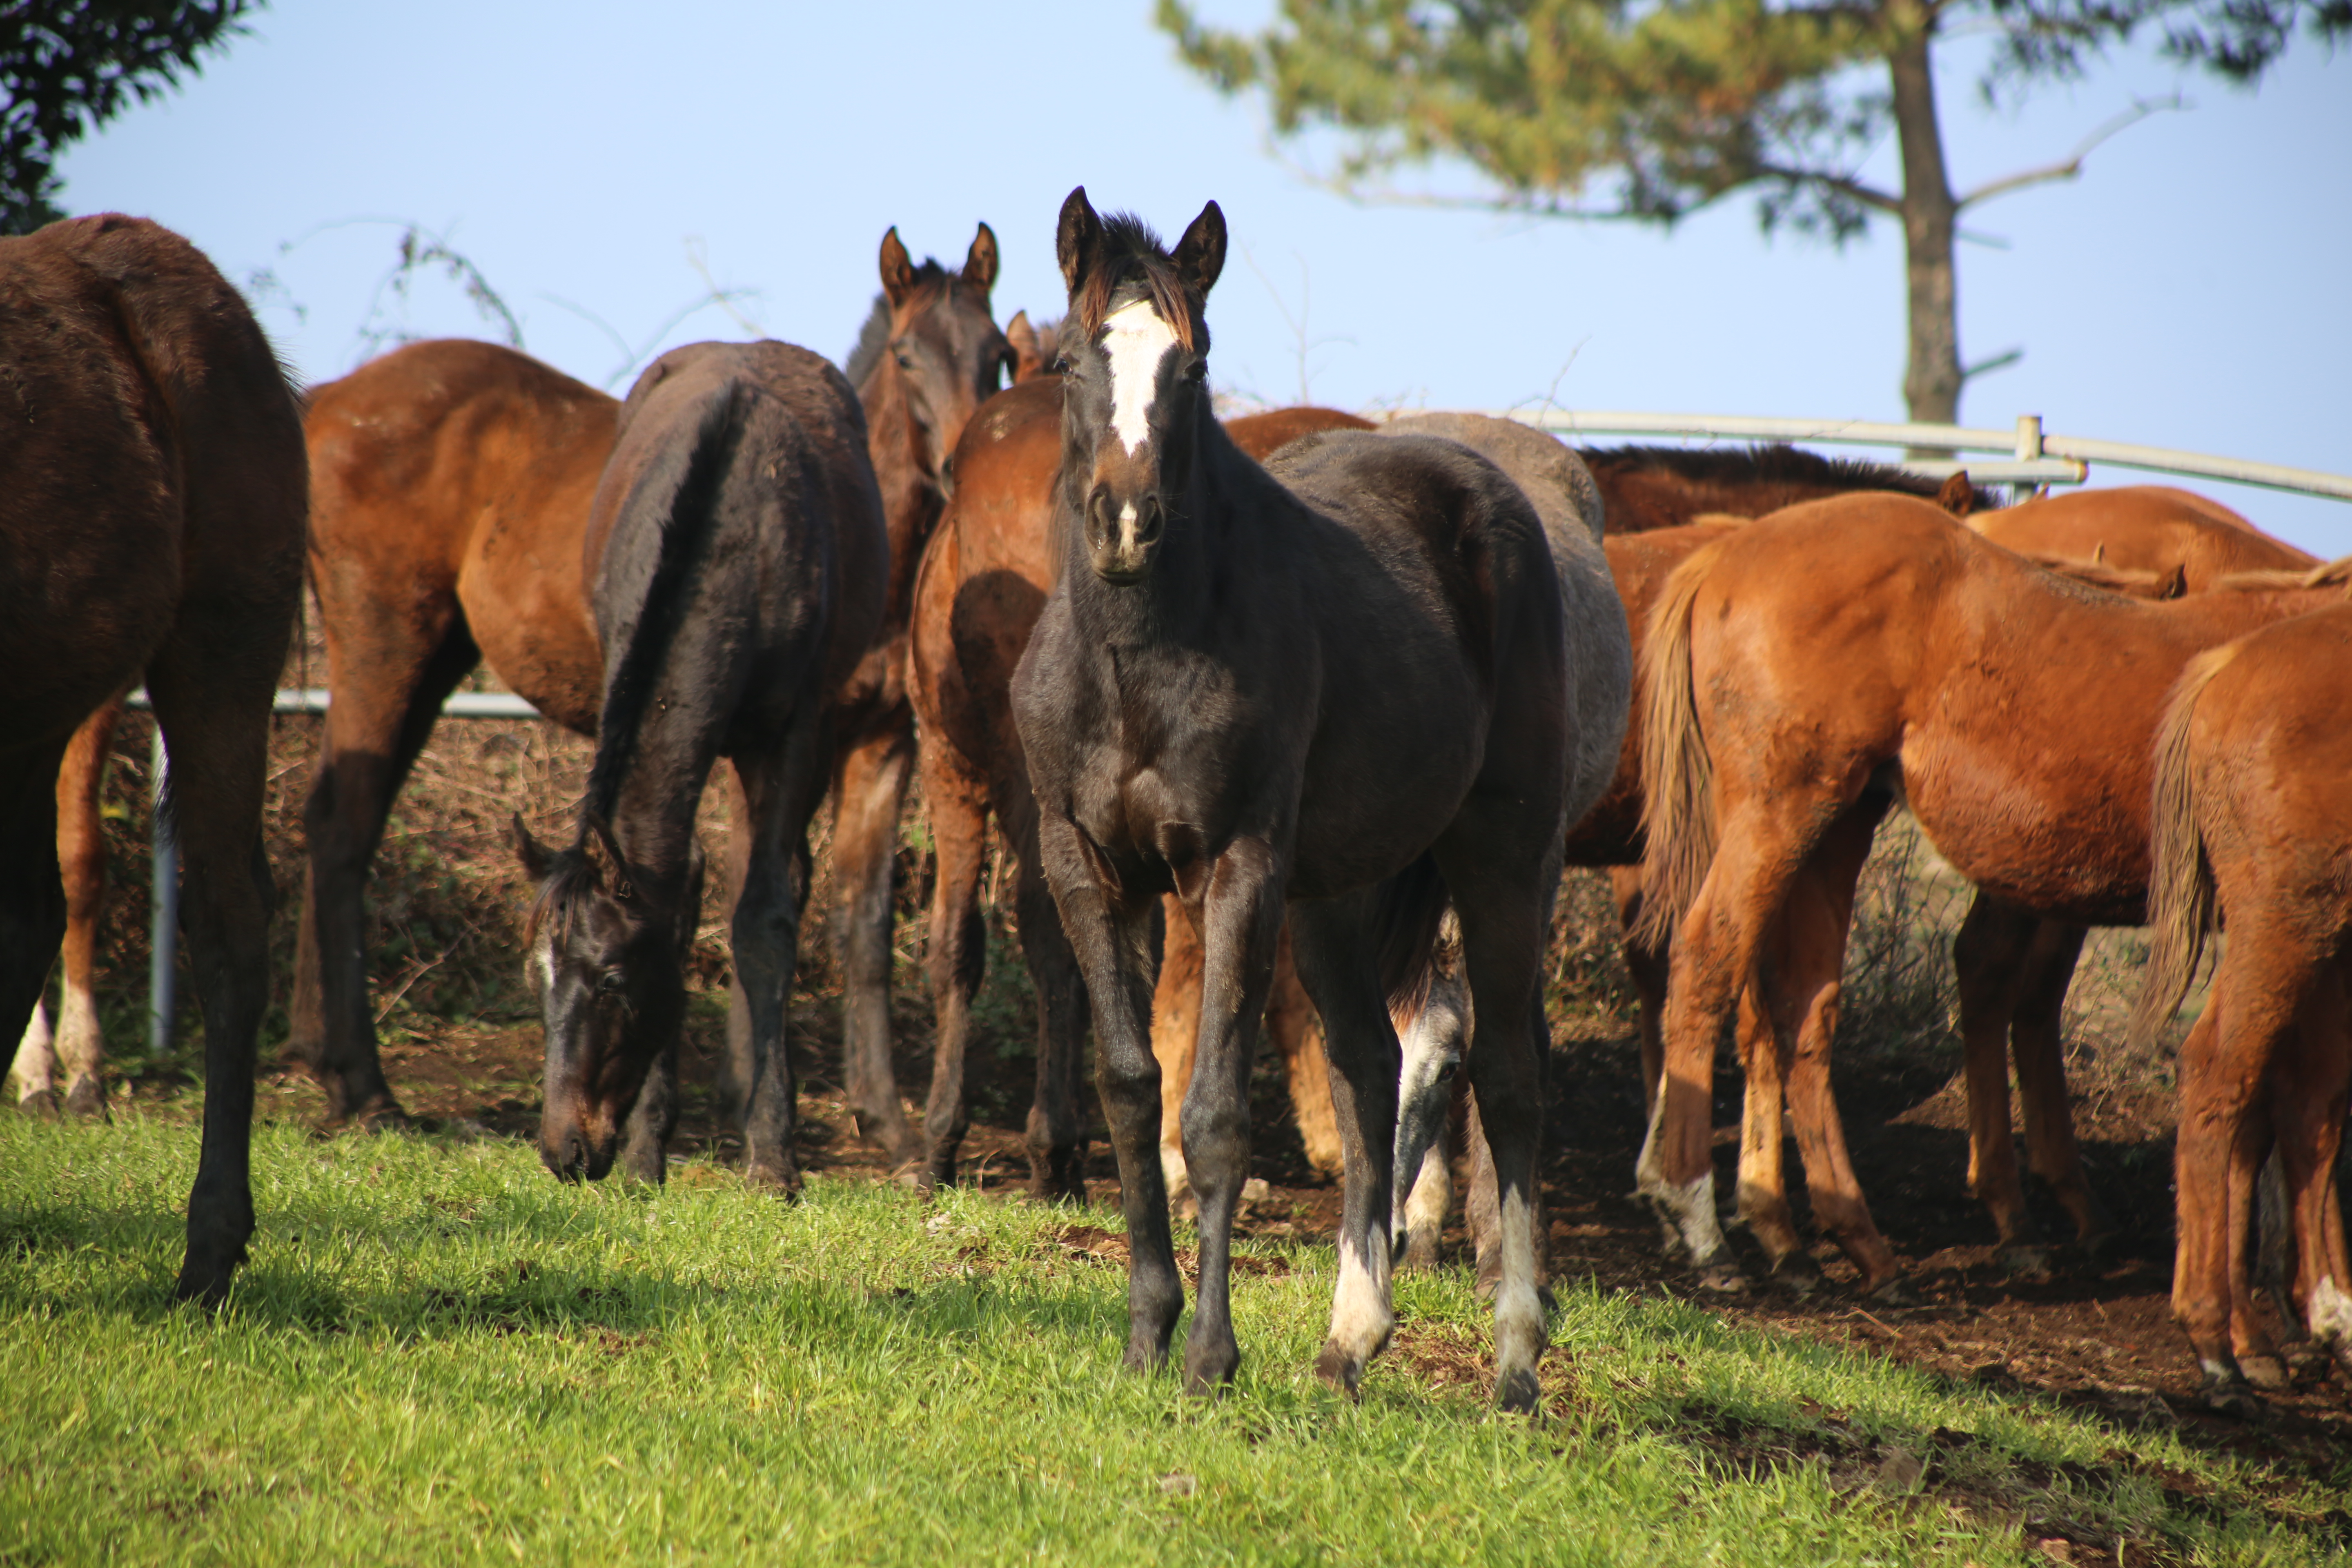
(2009, 708)
(982, 583)
(2253, 823)
(1647, 487)
(2141, 527)
(451, 485)
(151, 523)
(78, 1044)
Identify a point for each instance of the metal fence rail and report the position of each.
(163, 904)
(2030, 457)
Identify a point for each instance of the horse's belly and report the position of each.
(2068, 849)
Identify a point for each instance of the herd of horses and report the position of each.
(1287, 720)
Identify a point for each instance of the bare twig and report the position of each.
(2071, 166)
(394, 1000)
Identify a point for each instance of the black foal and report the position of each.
(1338, 684)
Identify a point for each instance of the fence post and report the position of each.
(163, 935)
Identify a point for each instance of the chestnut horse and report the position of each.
(2253, 823)
(1336, 686)
(982, 583)
(452, 483)
(78, 1044)
(1647, 487)
(2009, 708)
(152, 524)
(740, 563)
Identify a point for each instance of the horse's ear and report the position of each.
(1076, 237)
(2176, 586)
(1958, 497)
(897, 270)
(2099, 553)
(979, 265)
(1200, 254)
(603, 852)
(537, 859)
(1022, 335)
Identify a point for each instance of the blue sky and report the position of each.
(2189, 290)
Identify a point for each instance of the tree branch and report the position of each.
(2071, 166)
(1868, 195)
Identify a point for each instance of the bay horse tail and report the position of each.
(679, 495)
(1678, 774)
(2180, 892)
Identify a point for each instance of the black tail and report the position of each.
(1405, 917)
(677, 494)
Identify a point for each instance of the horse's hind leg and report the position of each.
(959, 958)
(1647, 967)
(81, 858)
(1989, 955)
(216, 724)
(1292, 1025)
(2308, 1092)
(1331, 942)
(783, 786)
(390, 681)
(1175, 1034)
(1763, 1182)
(1055, 1133)
(1804, 992)
(2038, 1041)
(32, 901)
(869, 787)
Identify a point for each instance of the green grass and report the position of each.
(438, 1354)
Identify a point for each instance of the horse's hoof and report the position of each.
(1209, 1370)
(652, 1172)
(385, 1118)
(205, 1280)
(2228, 1393)
(86, 1098)
(2027, 1260)
(1343, 1372)
(1145, 1355)
(2267, 1373)
(1893, 1291)
(1723, 1276)
(1518, 1393)
(781, 1178)
(42, 1105)
(1796, 1273)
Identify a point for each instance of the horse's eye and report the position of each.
(611, 982)
(1196, 370)
(1061, 365)
(906, 361)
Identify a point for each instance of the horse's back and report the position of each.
(2145, 528)
(154, 463)
(1594, 620)
(760, 451)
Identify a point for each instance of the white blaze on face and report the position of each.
(1134, 340)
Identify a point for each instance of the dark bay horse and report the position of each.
(739, 557)
(2010, 710)
(2253, 824)
(982, 583)
(1338, 686)
(451, 485)
(151, 525)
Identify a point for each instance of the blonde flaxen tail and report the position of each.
(1678, 774)
(2180, 894)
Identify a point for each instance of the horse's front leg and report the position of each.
(1112, 938)
(1241, 922)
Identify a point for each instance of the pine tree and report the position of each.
(68, 66)
(1604, 109)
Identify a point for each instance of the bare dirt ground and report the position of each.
(461, 1043)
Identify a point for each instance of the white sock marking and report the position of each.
(1134, 340)
(2329, 1312)
(1360, 1315)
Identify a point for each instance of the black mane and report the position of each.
(1774, 462)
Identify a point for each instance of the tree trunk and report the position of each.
(1931, 384)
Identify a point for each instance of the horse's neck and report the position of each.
(910, 500)
(2230, 612)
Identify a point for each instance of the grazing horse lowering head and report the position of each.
(1135, 357)
(940, 344)
(606, 961)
